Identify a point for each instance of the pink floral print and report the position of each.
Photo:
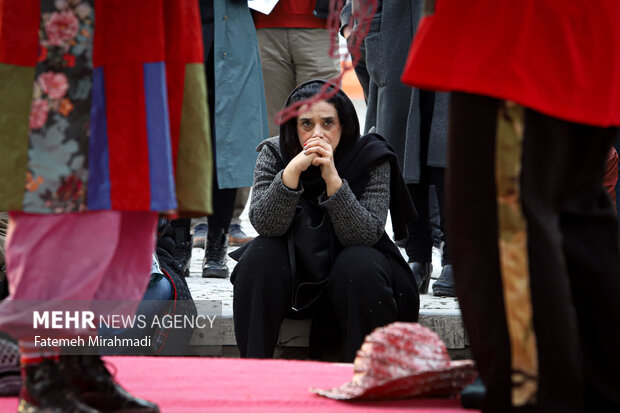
(55, 85)
(61, 27)
(38, 113)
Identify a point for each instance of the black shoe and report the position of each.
(184, 255)
(94, 386)
(444, 286)
(473, 395)
(214, 263)
(182, 243)
(422, 274)
(46, 391)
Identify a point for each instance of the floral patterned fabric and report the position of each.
(116, 120)
(60, 112)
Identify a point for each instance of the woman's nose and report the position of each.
(317, 132)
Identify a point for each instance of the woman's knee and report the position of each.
(360, 264)
(264, 259)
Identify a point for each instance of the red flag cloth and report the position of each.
(559, 57)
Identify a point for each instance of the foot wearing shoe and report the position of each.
(236, 236)
(184, 255)
(45, 390)
(214, 262)
(94, 385)
(199, 238)
(422, 274)
(444, 286)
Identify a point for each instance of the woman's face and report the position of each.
(319, 121)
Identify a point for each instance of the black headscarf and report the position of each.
(354, 156)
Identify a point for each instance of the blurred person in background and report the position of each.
(238, 117)
(414, 121)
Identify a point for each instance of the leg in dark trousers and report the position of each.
(471, 212)
(590, 243)
(360, 290)
(223, 198)
(223, 206)
(433, 212)
(419, 245)
(262, 296)
(437, 178)
(214, 262)
(570, 262)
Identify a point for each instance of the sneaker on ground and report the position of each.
(236, 236)
(200, 236)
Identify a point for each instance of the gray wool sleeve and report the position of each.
(272, 207)
(361, 222)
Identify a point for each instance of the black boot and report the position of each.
(214, 263)
(422, 274)
(45, 390)
(94, 385)
(444, 286)
(183, 243)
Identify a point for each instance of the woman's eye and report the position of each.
(305, 123)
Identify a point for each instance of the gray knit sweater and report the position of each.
(356, 221)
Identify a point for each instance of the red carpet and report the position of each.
(232, 385)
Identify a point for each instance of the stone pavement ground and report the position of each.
(441, 314)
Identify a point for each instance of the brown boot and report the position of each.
(94, 386)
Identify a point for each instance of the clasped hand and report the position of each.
(317, 152)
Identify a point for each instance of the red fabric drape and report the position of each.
(559, 57)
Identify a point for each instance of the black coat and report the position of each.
(397, 111)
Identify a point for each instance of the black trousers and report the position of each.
(359, 297)
(572, 256)
(419, 244)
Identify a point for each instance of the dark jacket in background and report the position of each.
(394, 109)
